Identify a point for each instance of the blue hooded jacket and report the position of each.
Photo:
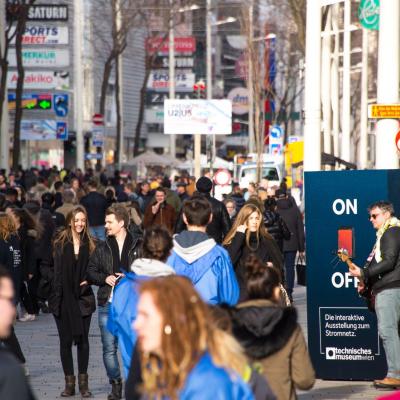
(207, 265)
(206, 381)
(123, 308)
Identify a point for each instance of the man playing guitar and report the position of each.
(383, 272)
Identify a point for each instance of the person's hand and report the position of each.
(355, 271)
(111, 279)
(360, 287)
(155, 208)
(302, 254)
(83, 283)
(30, 276)
(242, 228)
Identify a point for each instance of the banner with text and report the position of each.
(159, 81)
(40, 80)
(41, 57)
(43, 34)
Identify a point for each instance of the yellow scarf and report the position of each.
(393, 221)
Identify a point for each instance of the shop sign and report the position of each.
(43, 34)
(40, 80)
(161, 45)
(155, 98)
(154, 116)
(43, 129)
(240, 100)
(41, 57)
(159, 81)
(48, 12)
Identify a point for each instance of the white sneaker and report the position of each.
(27, 317)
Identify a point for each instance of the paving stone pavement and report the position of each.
(39, 341)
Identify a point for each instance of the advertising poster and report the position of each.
(41, 57)
(40, 80)
(43, 129)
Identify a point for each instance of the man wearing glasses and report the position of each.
(13, 384)
(383, 273)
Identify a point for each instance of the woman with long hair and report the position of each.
(248, 235)
(177, 343)
(71, 299)
(29, 231)
(270, 334)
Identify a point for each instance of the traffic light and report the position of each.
(200, 89)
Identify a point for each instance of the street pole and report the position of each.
(210, 138)
(335, 81)
(363, 150)
(346, 112)
(4, 127)
(171, 75)
(250, 79)
(388, 82)
(120, 89)
(78, 86)
(312, 108)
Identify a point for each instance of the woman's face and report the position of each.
(75, 184)
(148, 324)
(253, 223)
(230, 207)
(79, 222)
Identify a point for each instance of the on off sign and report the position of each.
(382, 111)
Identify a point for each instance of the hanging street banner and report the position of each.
(368, 14)
(159, 81)
(32, 101)
(40, 80)
(384, 111)
(183, 45)
(43, 129)
(205, 117)
(43, 34)
(41, 57)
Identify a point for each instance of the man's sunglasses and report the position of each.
(373, 216)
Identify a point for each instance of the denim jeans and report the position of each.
(289, 258)
(387, 307)
(98, 232)
(110, 345)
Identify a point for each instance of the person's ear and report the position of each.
(277, 294)
(210, 219)
(185, 219)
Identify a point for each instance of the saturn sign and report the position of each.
(240, 100)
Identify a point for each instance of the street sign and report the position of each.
(98, 136)
(43, 129)
(384, 111)
(93, 156)
(31, 101)
(61, 104)
(276, 132)
(368, 14)
(98, 119)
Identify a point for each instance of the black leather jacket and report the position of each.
(386, 273)
(220, 224)
(101, 265)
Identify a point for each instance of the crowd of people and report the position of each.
(190, 289)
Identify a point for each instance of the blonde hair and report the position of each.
(7, 226)
(241, 219)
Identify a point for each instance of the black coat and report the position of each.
(28, 252)
(52, 271)
(277, 228)
(96, 206)
(101, 266)
(266, 250)
(10, 258)
(386, 273)
(220, 224)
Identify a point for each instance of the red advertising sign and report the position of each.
(161, 45)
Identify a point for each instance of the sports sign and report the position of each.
(41, 57)
(44, 34)
(31, 101)
(184, 117)
(43, 129)
(40, 80)
(159, 81)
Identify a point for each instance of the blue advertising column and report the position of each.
(342, 332)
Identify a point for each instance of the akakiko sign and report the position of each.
(159, 81)
(40, 80)
(41, 57)
(205, 117)
(43, 34)
(161, 45)
(43, 129)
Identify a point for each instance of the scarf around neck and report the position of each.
(391, 222)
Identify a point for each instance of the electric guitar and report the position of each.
(367, 292)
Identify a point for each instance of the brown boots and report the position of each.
(70, 386)
(84, 385)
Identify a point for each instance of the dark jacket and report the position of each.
(290, 213)
(271, 336)
(266, 250)
(146, 199)
(165, 216)
(96, 206)
(386, 273)
(28, 252)
(52, 271)
(13, 382)
(220, 224)
(10, 258)
(101, 265)
(277, 228)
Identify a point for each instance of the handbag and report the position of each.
(301, 271)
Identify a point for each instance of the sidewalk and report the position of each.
(39, 341)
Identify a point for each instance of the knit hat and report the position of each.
(204, 185)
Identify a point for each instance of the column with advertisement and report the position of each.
(342, 332)
(46, 98)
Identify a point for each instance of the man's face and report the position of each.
(145, 188)
(181, 189)
(2, 179)
(160, 197)
(7, 309)
(378, 217)
(113, 227)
